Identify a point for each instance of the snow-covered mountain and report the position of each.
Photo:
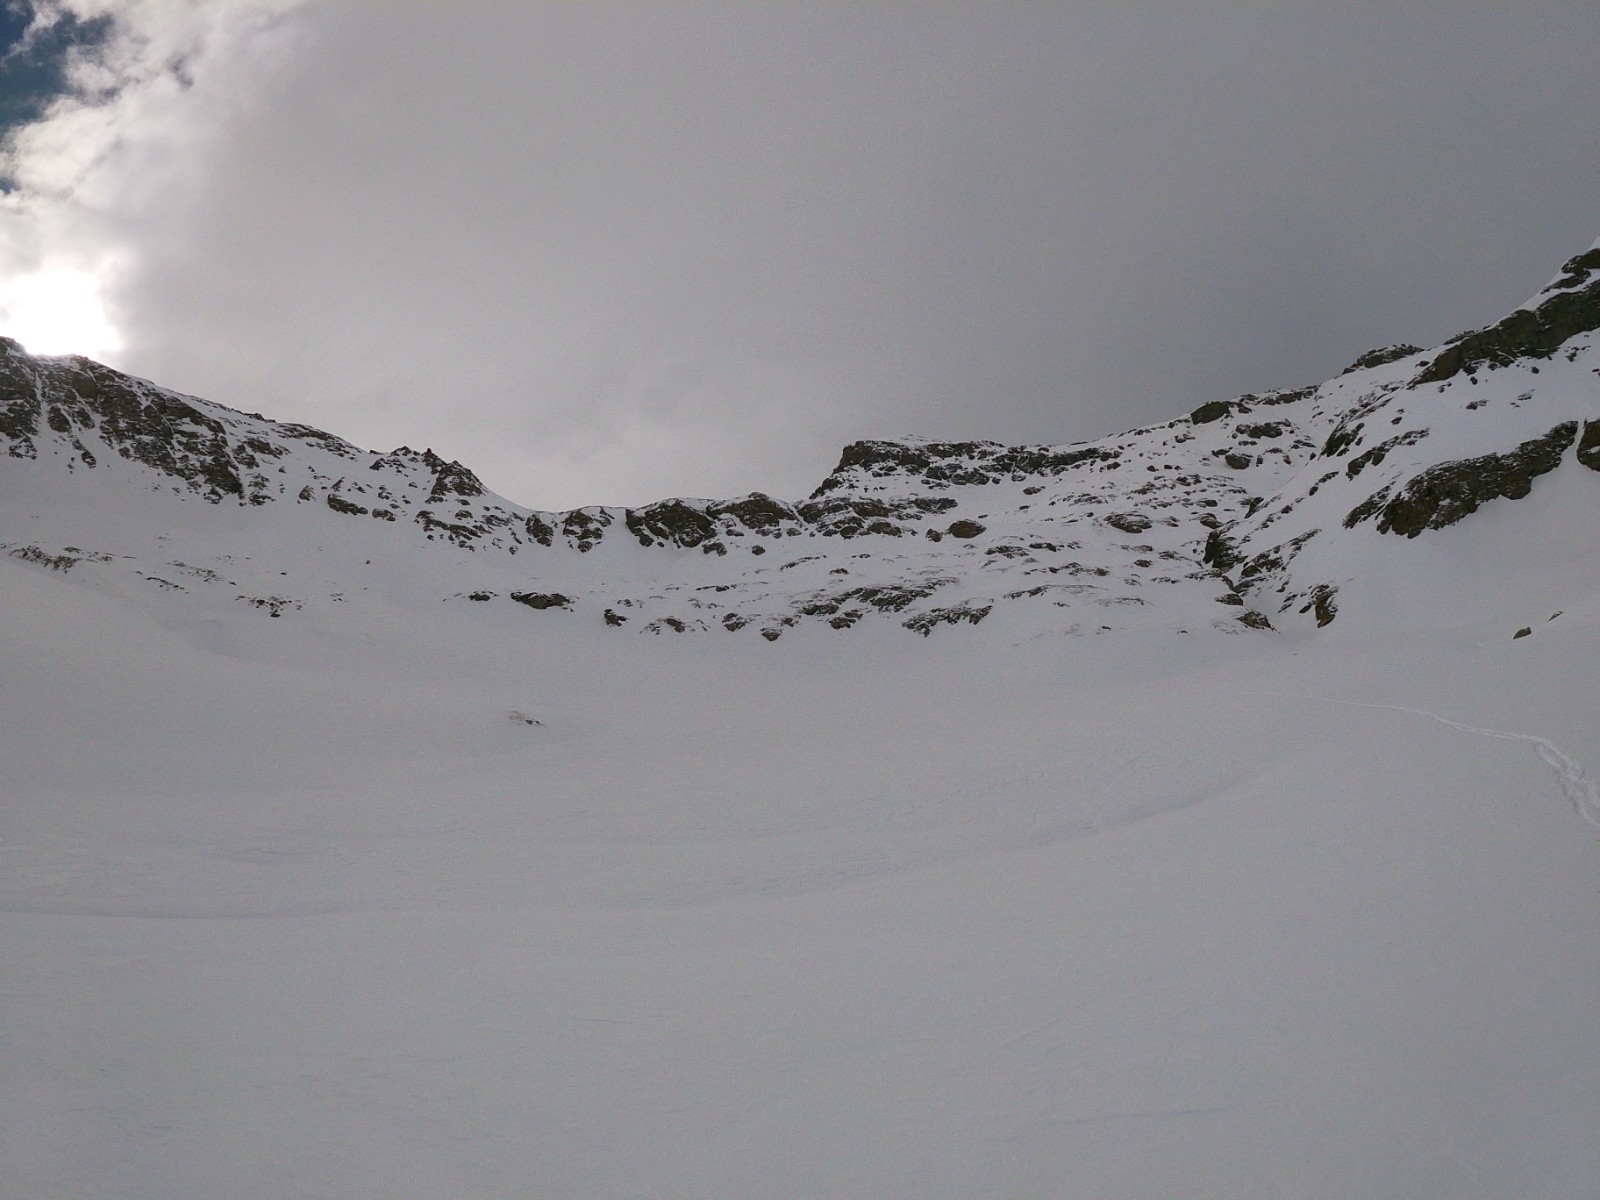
(1269, 510)
(1232, 832)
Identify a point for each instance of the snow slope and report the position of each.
(373, 889)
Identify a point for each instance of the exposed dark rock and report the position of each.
(819, 512)
(273, 606)
(1443, 494)
(1129, 522)
(852, 516)
(542, 600)
(1342, 438)
(613, 618)
(19, 401)
(1293, 396)
(960, 474)
(885, 598)
(925, 622)
(948, 464)
(902, 457)
(1051, 460)
(1254, 620)
(1369, 507)
(1267, 429)
(675, 522)
(757, 511)
(1576, 270)
(583, 527)
(1213, 410)
(144, 424)
(880, 459)
(1375, 455)
(462, 535)
(1237, 461)
(1528, 334)
(965, 529)
(539, 529)
(1525, 631)
(1589, 445)
(1381, 356)
(252, 444)
(40, 558)
(449, 478)
(340, 505)
(1321, 600)
(1219, 553)
(319, 437)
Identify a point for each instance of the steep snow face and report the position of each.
(1270, 510)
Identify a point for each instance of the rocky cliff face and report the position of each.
(1242, 515)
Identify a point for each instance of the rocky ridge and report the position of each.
(1241, 515)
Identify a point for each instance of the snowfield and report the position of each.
(300, 908)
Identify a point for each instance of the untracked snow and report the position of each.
(307, 911)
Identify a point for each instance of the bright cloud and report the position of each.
(58, 310)
(117, 146)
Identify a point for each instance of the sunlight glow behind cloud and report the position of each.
(58, 310)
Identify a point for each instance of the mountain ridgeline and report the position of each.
(1266, 512)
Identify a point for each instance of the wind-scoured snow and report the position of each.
(964, 841)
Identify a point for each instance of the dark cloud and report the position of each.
(607, 253)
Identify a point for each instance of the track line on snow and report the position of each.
(1575, 782)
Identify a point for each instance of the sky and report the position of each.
(610, 252)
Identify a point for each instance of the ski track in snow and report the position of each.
(1575, 782)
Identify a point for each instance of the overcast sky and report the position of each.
(604, 253)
